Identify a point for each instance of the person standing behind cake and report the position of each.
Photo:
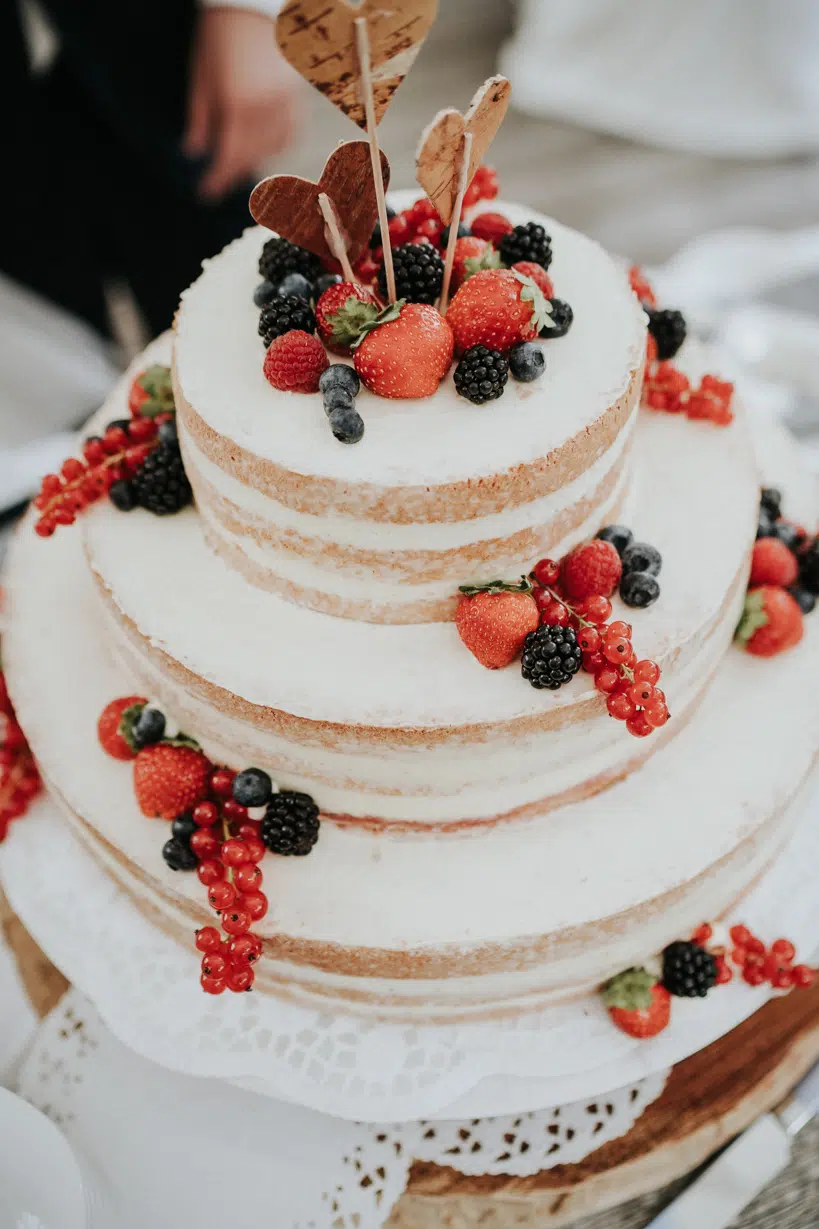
(130, 156)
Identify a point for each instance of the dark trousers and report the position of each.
(94, 184)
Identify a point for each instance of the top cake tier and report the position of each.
(439, 492)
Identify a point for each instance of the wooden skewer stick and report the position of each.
(363, 46)
(335, 238)
(463, 175)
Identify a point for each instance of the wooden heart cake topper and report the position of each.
(438, 161)
(290, 205)
(318, 38)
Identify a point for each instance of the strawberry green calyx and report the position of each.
(490, 259)
(531, 293)
(156, 382)
(754, 616)
(182, 740)
(130, 716)
(352, 322)
(630, 990)
(524, 585)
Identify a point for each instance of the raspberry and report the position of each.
(294, 362)
(491, 226)
(538, 274)
(591, 570)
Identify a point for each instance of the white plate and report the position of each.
(40, 1182)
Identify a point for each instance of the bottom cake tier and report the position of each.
(442, 926)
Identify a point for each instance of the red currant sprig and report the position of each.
(19, 778)
(667, 388)
(629, 684)
(229, 869)
(774, 964)
(117, 454)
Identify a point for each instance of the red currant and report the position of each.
(752, 944)
(724, 971)
(620, 706)
(739, 955)
(619, 628)
(740, 935)
(221, 782)
(702, 934)
(255, 904)
(754, 960)
(556, 615)
(656, 714)
(597, 609)
(638, 726)
(784, 950)
(803, 975)
(646, 672)
(234, 852)
(212, 985)
(234, 811)
(208, 939)
(430, 229)
(236, 921)
(205, 843)
(782, 978)
(543, 598)
(593, 663)
(255, 849)
(245, 949)
(214, 964)
(241, 978)
(399, 230)
(247, 877)
(616, 648)
(606, 680)
(641, 693)
(93, 451)
(546, 572)
(589, 639)
(205, 814)
(210, 872)
(249, 830)
(753, 974)
(222, 895)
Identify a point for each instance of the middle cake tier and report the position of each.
(399, 725)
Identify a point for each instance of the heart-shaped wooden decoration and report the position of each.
(438, 159)
(290, 205)
(318, 38)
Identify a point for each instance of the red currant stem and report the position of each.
(115, 459)
(571, 609)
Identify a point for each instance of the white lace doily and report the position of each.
(146, 989)
(164, 1149)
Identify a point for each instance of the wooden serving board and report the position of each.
(708, 1099)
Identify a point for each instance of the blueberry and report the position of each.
(337, 399)
(527, 362)
(340, 375)
(263, 293)
(347, 425)
(252, 788)
(183, 828)
(463, 231)
(640, 557)
(639, 589)
(122, 495)
(619, 536)
(765, 526)
(123, 423)
(325, 282)
(179, 856)
(149, 727)
(295, 284)
(560, 319)
(771, 501)
(809, 568)
(167, 431)
(805, 600)
(787, 533)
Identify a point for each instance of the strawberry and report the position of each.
(771, 621)
(491, 226)
(637, 1003)
(471, 256)
(115, 724)
(590, 570)
(772, 563)
(494, 620)
(294, 362)
(151, 392)
(406, 352)
(170, 779)
(341, 311)
(538, 274)
(497, 309)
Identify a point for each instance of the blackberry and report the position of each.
(161, 486)
(121, 494)
(561, 318)
(619, 536)
(529, 242)
(668, 330)
(689, 971)
(283, 314)
(179, 856)
(809, 568)
(252, 788)
(770, 501)
(551, 656)
(419, 273)
(481, 374)
(280, 257)
(291, 824)
(765, 525)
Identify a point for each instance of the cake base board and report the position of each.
(710, 1097)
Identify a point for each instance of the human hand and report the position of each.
(241, 102)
